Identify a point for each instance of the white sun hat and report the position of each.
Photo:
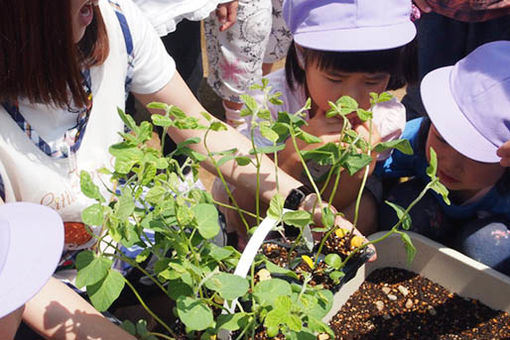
(31, 243)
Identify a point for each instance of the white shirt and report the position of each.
(166, 14)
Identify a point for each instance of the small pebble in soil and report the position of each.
(428, 311)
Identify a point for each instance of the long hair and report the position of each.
(400, 63)
(39, 59)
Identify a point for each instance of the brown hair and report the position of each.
(38, 57)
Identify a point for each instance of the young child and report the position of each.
(340, 48)
(469, 120)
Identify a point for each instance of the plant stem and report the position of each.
(365, 176)
(144, 305)
(161, 335)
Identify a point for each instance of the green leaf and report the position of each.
(155, 195)
(88, 188)
(128, 120)
(103, 293)
(184, 215)
(206, 216)
(158, 106)
(229, 286)
(306, 137)
(401, 214)
(298, 218)
(218, 126)
(93, 215)
(364, 115)
(268, 133)
(273, 268)
(267, 291)
(249, 102)
(162, 121)
(220, 253)
(125, 205)
(432, 168)
(195, 314)
(128, 326)
(243, 160)
(91, 268)
(401, 145)
(354, 162)
(441, 190)
(225, 159)
(231, 322)
(206, 115)
(264, 114)
(347, 104)
(408, 244)
(268, 149)
(276, 207)
(178, 287)
(328, 217)
(336, 275)
(333, 260)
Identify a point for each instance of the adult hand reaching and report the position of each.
(423, 6)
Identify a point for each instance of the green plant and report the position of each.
(175, 227)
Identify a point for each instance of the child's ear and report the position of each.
(300, 57)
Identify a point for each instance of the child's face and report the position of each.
(459, 173)
(326, 85)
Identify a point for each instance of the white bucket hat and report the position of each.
(31, 243)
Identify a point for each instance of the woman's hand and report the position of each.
(227, 14)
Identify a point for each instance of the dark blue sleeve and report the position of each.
(399, 164)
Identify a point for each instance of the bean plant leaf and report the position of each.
(276, 207)
(88, 188)
(93, 215)
(273, 268)
(177, 288)
(194, 313)
(128, 120)
(103, 293)
(218, 126)
(125, 205)
(306, 137)
(267, 291)
(354, 162)
(410, 248)
(243, 160)
(162, 121)
(231, 322)
(298, 218)
(158, 106)
(268, 149)
(364, 115)
(250, 103)
(333, 260)
(328, 217)
(156, 194)
(206, 216)
(401, 215)
(439, 188)
(91, 268)
(268, 133)
(432, 168)
(401, 145)
(229, 286)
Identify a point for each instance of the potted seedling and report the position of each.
(214, 289)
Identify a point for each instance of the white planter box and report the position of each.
(445, 266)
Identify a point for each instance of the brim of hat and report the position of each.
(358, 39)
(449, 120)
(36, 240)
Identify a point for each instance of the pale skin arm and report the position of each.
(57, 312)
(177, 93)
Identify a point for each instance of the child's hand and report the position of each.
(504, 153)
(423, 6)
(328, 129)
(227, 14)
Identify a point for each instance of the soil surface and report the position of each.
(397, 304)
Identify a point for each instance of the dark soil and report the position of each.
(397, 304)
